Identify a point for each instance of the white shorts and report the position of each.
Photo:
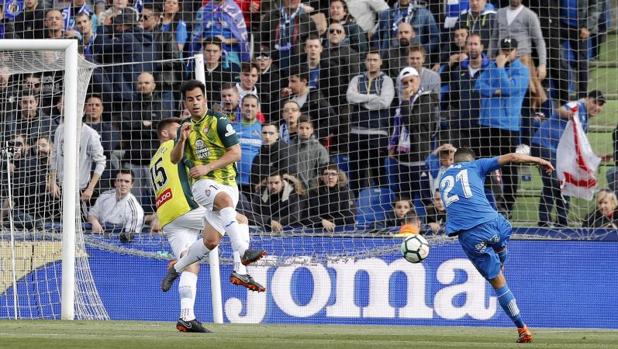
(204, 193)
(185, 230)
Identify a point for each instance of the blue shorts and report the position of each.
(481, 243)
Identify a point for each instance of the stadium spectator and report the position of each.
(312, 102)
(418, 16)
(288, 128)
(430, 80)
(319, 73)
(91, 163)
(284, 31)
(398, 53)
(172, 22)
(410, 144)
(578, 19)
(480, 19)
(230, 102)
(445, 153)
(410, 224)
(281, 201)
(217, 72)
(222, 19)
(545, 145)
(338, 13)
(331, 204)
(28, 120)
(249, 130)
(139, 120)
(31, 202)
(612, 173)
(275, 155)
(606, 213)
(249, 8)
(249, 74)
(268, 82)
(341, 58)
(54, 26)
(436, 214)
(366, 12)
(83, 24)
(70, 12)
(166, 51)
(128, 51)
(455, 51)
(551, 27)
(464, 99)
(312, 155)
(370, 95)
(119, 7)
(519, 23)
(401, 206)
(118, 208)
(503, 85)
(110, 136)
(30, 23)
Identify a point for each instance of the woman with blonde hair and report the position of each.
(606, 213)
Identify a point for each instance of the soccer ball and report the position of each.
(415, 248)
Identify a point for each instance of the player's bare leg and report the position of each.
(509, 305)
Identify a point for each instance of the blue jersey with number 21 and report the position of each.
(463, 194)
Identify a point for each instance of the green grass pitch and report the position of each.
(152, 335)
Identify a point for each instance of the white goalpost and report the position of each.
(22, 59)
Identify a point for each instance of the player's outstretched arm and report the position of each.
(515, 158)
(179, 148)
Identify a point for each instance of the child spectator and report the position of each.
(411, 224)
(401, 206)
(446, 156)
(436, 215)
(606, 213)
(311, 154)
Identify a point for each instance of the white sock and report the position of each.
(196, 252)
(234, 230)
(238, 266)
(187, 287)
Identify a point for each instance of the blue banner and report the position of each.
(556, 283)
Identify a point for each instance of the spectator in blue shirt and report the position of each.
(503, 86)
(249, 131)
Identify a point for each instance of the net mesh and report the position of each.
(342, 139)
(31, 236)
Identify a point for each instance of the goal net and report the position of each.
(347, 115)
(31, 236)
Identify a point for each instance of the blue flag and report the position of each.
(12, 8)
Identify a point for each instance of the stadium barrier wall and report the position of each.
(557, 284)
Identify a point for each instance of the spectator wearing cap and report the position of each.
(545, 144)
(410, 143)
(370, 95)
(519, 23)
(503, 86)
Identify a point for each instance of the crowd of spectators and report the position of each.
(329, 98)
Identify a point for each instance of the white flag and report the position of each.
(576, 163)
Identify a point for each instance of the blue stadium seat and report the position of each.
(372, 207)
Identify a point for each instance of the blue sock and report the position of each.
(509, 305)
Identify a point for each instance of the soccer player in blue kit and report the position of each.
(482, 232)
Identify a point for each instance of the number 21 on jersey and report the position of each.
(448, 183)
